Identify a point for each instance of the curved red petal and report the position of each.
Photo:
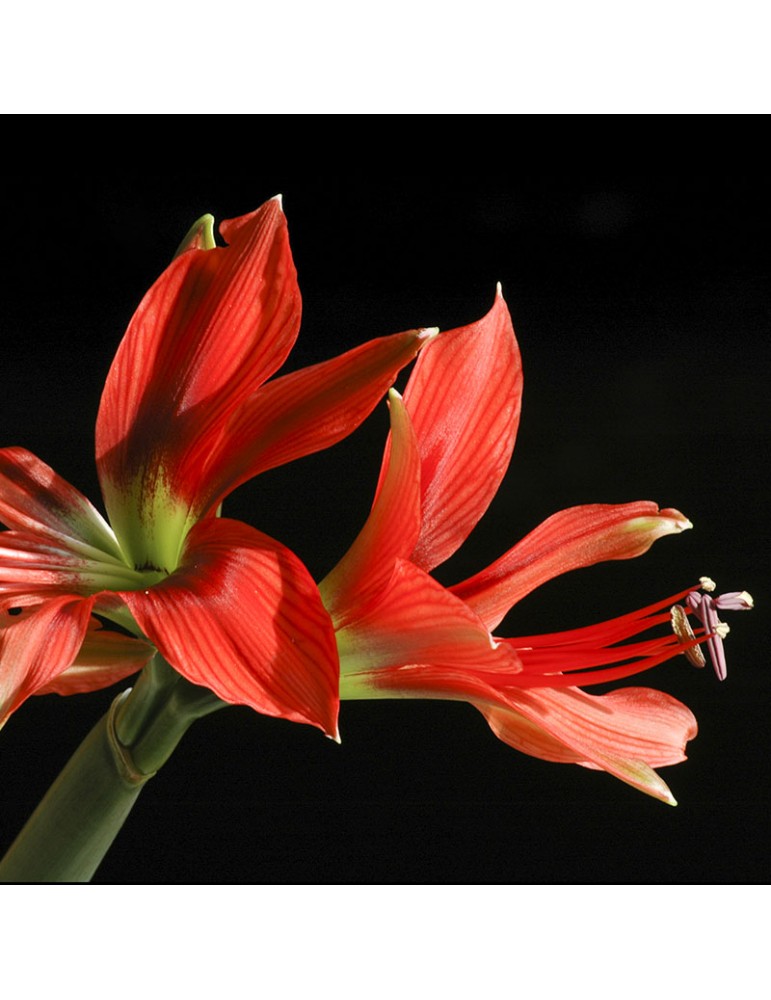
(243, 617)
(627, 732)
(31, 565)
(390, 531)
(570, 539)
(418, 621)
(311, 409)
(38, 646)
(105, 658)
(464, 398)
(214, 326)
(34, 499)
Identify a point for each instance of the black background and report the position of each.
(641, 301)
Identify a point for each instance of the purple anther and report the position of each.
(738, 600)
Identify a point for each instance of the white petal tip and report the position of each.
(677, 520)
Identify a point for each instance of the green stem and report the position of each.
(73, 827)
(152, 687)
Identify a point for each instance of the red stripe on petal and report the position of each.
(243, 617)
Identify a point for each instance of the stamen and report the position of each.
(705, 607)
(682, 629)
(707, 583)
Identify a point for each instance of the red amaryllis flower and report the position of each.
(401, 634)
(186, 416)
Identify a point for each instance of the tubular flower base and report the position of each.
(186, 416)
(402, 634)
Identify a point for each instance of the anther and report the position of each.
(739, 600)
(682, 629)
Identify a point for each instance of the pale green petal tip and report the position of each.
(663, 794)
(200, 236)
(659, 789)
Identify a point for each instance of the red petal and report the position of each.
(33, 498)
(390, 532)
(571, 539)
(626, 732)
(243, 617)
(38, 646)
(418, 621)
(214, 326)
(464, 400)
(104, 658)
(31, 565)
(311, 409)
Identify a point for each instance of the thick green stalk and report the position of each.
(73, 827)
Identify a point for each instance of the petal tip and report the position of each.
(679, 521)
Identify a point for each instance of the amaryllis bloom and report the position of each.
(187, 414)
(402, 634)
